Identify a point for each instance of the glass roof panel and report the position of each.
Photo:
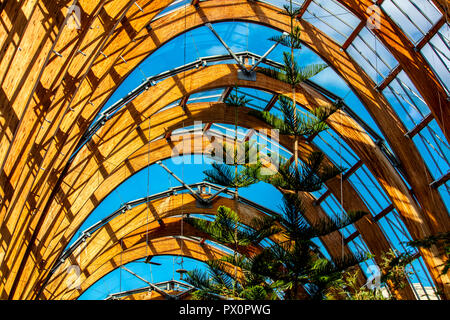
(204, 96)
(120, 280)
(444, 190)
(434, 149)
(372, 56)
(370, 190)
(176, 4)
(406, 101)
(332, 18)
(336, 149)
(422, 283)
(414, 17)
(437, 53)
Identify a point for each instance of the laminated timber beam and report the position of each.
(411, 61)
(101, 42)
(383, 171)
(139, 221)
(349, 202)
(268, 86)
(444, 7)
(171, 206)
(156, 247)
(212, 11)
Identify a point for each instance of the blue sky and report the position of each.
(250, 37)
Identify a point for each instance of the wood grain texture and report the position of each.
(143, 217)
(133, 43)
(130, 139)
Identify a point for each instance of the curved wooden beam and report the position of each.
(121, 128)
(262, 14)
(156, 247)
(227, 75)
(139, 218)
(129, 167)
(82, 60)
(410, 60)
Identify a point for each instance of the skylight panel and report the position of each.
(434, 149)
(396, 232)
(334, 210)
(206, 96)
(372, 56)
(281, 3)
(437, 53)
(421, 280)
(414, 17)
(336, 148)
(319, 193)
(406, 101)
(370, 191)
(172, 7)
(444, 191)
(258, 98)
(358, 246)
(332, 18)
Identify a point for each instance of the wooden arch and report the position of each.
(136, 161)
(121, 128)
(140, 217)
(157, 247)
(26, 182)
(369, 229)
(138, 221)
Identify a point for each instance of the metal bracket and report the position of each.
(247, 75)
(205, 204)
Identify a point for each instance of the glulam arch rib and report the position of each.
(156, 247)
(49, 74)
(121, 129)
(107, 77)
(195, 113)
(115, 138)
(145, 215)
(125, 231)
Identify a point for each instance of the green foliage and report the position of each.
(291, 72)
(224, 175)
(291, 40)
(216, 282)
(393, 270)
(297, 228)
(236, 100)
(293, 122)
(347, 288)
(291, 11)
(295, 262)
(222, 229)
(280, 268)
(440, 239)
(307, 177)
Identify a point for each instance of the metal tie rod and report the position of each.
(285, 34)
(194, 193)
(162, 292)
(226, 47)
